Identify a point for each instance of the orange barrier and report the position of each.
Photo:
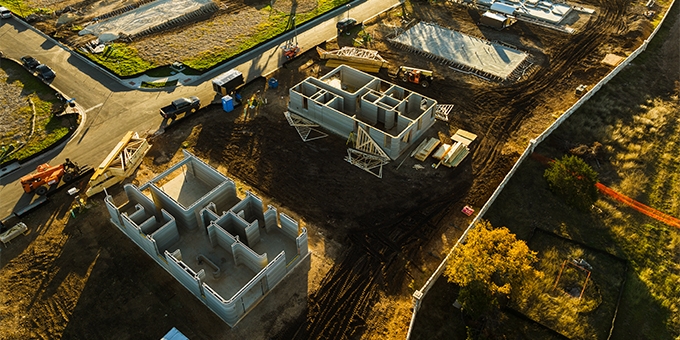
(541, 159)
(645, 209)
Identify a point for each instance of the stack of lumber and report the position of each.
(450, 155)
(425, 149)
(358, 58)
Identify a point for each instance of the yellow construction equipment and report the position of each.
(119, 164)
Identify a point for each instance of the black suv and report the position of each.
(45, 72)
(30, 62)
(345, 25)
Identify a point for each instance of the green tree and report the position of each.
(486, 267)
(574, 180)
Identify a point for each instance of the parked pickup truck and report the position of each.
(179, 106)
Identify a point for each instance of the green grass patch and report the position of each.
(22, 9)
(121, 59)
(274, 26)
(124, 60)
(646, 245)
(635, 118)
(48, 128)
(158, 85)
(577, 302)
(53, 131)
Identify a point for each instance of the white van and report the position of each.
(5, 13)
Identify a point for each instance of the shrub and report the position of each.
(574, 180)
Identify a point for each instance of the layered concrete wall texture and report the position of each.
(216, 245)
(346, 98)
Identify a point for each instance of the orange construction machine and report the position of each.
(47, 176)
(416, 76)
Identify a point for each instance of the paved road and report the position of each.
(112, 108)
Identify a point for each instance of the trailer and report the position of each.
(227, 83)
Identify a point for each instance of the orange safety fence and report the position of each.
(541, 159)
(645, 209)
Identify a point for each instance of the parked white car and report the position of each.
(5, 13)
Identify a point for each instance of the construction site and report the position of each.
(319, 213)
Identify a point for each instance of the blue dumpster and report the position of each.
(227, 103)
(273, 83)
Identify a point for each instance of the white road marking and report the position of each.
(94, 107)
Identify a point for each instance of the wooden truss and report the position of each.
(349, 53)
(304, 127)
(442, 112)
(366, 144)
(366, 154)
(370, 163)
(121, 162)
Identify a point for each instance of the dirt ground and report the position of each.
(373, 240)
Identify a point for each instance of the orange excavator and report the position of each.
(48, 175)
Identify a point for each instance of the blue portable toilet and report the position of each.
(227, 104)
(273, 83)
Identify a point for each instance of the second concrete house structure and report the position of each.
(346, 99)
(227, 251)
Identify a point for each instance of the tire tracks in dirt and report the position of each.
(377, 256)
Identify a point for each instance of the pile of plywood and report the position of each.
(451, 155)
(358, 58)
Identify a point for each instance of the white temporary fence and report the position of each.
(420, 294)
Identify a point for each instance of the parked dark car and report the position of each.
(45, 72)
(345, 25)
(30, 62)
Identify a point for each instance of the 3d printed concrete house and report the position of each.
(226, 251)
(345, 99)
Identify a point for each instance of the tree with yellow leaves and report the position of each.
(487, 265)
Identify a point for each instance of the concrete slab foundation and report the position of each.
(463, 52)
